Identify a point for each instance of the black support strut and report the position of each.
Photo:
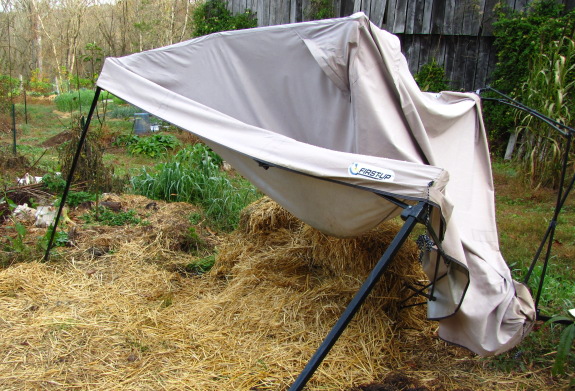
(86, 125)
(411, 216)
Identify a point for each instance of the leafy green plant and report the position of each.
(202, 265)
(126, 140)
(213, 16)
(17, 243)
(431, 77)
(105, 216)
(151, 146)
(565, 343)
(8, 89)
(193, 175)
(61, 239)
(53, 182)
(76, 198)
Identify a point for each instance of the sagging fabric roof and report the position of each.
(325, 118)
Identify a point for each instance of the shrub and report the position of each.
(320, 9)
(213, 16)
(39, 84)
(431, 77)
(9, 87)
(123, 111)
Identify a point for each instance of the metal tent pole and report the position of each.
(86, 125)
(549, 234)
(411, 216)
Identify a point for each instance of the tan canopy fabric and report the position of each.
(325, 118)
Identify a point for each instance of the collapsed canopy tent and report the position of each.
(325, 118)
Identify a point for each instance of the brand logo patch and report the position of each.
(375, 173)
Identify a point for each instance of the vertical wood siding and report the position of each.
(458, 34)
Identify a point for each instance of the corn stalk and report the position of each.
(548, 89)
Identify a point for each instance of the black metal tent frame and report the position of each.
(412, 214)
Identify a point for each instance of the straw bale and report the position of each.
(293, 253)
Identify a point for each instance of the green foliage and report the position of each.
(75, 100)
(320, 9)
(53, 182)
(80, 83)
(123, 111)
(9, 87)
(520, 39)
(213, 16)
(76, 198)
(431, 77)
(61, 239)
(93, 55)
(564, 347)
(16, 243)
(193, 175)
(39, 84)
(105, 216)
(202, 265)
(151, 146)
(549, 89)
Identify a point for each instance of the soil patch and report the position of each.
(58, 139)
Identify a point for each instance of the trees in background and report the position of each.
(55, 41)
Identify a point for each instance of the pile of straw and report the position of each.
(124, 319)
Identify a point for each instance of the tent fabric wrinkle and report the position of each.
(331, 110)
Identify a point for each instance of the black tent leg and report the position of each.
(71, 173)
(411, 215)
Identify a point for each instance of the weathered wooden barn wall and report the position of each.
(458, 34)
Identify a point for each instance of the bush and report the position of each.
(320, 9)
(123, 112)
(431, 77)
(9, 87)
(213, 16)
(39, 84)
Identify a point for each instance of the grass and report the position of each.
(523, 216)
(194, 175)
